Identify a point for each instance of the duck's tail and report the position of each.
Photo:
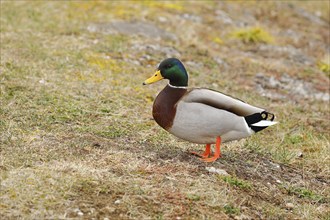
(260, 121)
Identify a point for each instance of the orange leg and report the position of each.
(217, 152)
(206, 152)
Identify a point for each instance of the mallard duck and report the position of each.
(200, 115)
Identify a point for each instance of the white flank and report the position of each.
(264, 123)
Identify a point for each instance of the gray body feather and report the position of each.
(203, 114)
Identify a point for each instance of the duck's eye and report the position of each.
(168, 66)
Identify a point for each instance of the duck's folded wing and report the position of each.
(221, 101)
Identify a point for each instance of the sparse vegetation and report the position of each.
(77, 139)
(306, 193)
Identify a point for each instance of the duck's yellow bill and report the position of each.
(156, 77)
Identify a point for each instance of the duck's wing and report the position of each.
(221, 101)
(256, 118)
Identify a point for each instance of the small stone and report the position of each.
(300, 154)
(135, 62)
(78, 211)
(273, 83)
(215, 85)
(118, 201)
(278, 181)
(217, 171)
(277, 166)
(224, 17)
(162, 19)
(221, 62)
(146, 57)
(318, 13)
(191, 17)
(289, 205)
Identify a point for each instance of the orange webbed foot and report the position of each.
(206, 152)
(210, 159)
(217, 153)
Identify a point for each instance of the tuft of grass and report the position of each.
(284, 154)
(231, 210)
(253, 35)
(234, 181)
(193, 197)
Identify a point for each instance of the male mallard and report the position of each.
(201, 115)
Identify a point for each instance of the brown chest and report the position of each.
(164, 108)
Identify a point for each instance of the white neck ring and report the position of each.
(178, 87)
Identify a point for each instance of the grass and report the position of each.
(77, 139)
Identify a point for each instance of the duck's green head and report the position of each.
(171, 69)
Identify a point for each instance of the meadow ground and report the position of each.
(77, 138)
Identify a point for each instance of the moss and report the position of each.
(218, 40)
(104, 62)
(324, 67)
(253, 35)
(177, 6)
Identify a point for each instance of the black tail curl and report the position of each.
(255, 118)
